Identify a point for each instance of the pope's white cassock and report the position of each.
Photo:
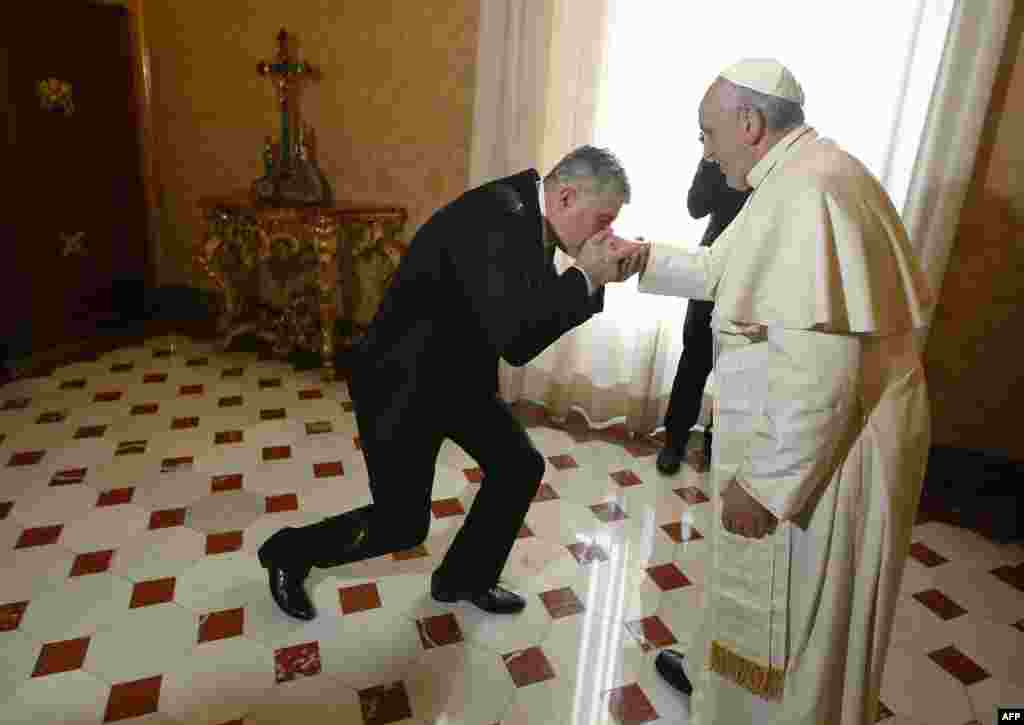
(821, 415)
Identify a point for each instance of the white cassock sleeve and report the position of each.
(810, 392)
(676, 272)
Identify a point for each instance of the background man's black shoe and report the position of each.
(496, 600)
(669, 665)
(669, 460)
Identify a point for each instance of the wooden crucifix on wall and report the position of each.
(292, 177)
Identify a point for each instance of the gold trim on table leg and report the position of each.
(326, 234)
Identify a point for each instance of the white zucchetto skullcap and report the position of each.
(766, 75)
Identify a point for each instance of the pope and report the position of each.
(821, 417)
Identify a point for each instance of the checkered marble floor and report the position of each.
(136, 489)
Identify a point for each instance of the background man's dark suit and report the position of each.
(476, 285)
(709, 194)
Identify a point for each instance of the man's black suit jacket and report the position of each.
(475, 286)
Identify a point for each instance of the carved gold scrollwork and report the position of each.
(73, 244)
(56, 95)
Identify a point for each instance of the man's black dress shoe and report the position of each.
(286, 588)
(669, 665)
(286, 584)
(496, 600)
(669, 460)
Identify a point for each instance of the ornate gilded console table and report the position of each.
(288, 274)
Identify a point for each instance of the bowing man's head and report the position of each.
(583, 195)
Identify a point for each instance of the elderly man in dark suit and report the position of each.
(477, 284)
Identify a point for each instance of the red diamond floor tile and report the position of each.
(154, 378)
(39, 536)
(266, 383)
(76, 384)
(177, 464)
(417, 552)
(68, 476)
(145, 409)
(608, 512)
(528, 666)
(167, 518)
(545, 493)
(190, 390)
(154, 591)
(62, 656)
(651, 632)
(926, 556)
(310, 395)
(328, 469)
(277, 453)
(439, 631)
(93, 563)
(587, 553)
(359, 598)
(226, 482)
(232, 372)
(223, 543)
(221, 625)
(692, 495)
(227, 436)
(230, 401)
(107, 396)
(626, 478)
(26, 458)
(185, 423)
(678, 534)
(90, 431)
(956, 663)
(115, 497)
(122, 367)
(447, 507)
(668, 577)
(1012, 575)
(133, 699)
(561, 602)
(301, 660)
(283, 502)
(941, 605)
(11, 614)
(630, 706)
(562, 462)
(54, 416)
(130, 448)
(385, 704)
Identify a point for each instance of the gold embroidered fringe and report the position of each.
(767, 682)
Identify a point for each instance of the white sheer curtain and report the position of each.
(903, 86)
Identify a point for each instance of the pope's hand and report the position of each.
(743, 515)
(636, 259)
(600, 258)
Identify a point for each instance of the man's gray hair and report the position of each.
(780, 114)
(595, 171)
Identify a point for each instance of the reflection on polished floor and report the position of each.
(136, 488)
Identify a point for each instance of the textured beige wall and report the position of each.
(392, 113)
(975, 354)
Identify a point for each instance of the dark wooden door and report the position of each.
(80, 226)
